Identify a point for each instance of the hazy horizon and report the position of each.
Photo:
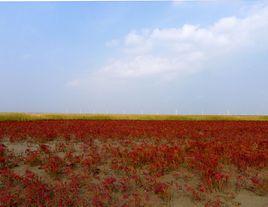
(182, 57)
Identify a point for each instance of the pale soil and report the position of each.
(249, 199)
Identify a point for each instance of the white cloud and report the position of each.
(112, 43)
(186, 49)
(169, 53)
(133, 39)
(179, 2)
(74, 83)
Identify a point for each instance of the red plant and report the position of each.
(160, 188)
(2, 149)
(54, 165)
(123, 163)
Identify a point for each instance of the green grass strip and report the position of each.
(32, 117)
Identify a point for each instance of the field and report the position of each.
(74, 160)
(32, 117)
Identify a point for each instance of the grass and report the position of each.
(32, 117)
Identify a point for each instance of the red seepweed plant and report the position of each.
(130, 163)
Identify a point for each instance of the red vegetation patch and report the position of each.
(131, 163)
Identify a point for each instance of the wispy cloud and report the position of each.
(186, 49)
(112, 43)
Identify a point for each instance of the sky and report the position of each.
(186, 57)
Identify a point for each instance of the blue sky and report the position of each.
(134, 57)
